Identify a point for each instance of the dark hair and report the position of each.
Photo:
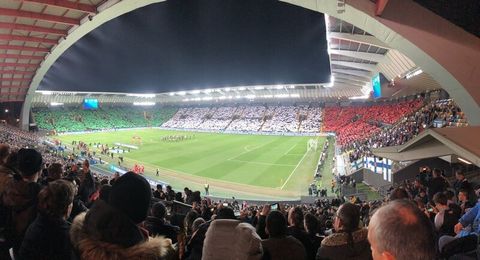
(54, 199)
(297, 216)
(437, 172)
(29, 162)
(460, 172)
(159, 186)
(311, 222)
(464, 191)
(189, 218)
(349, 215)
(398, 194)
(450, 194)
(55, 171)
(276, 224)
(394, 226)
(440, 198)
(159, 210)
(225, 213)
(105, 192)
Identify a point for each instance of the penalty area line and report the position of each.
(291, 174)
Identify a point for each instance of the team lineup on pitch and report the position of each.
(281, 165)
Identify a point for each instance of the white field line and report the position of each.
(248, 150)
(287, 152)
(262, 163)
(290, 176)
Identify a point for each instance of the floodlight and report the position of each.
(144, 103)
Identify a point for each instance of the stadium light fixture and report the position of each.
(56, 104)
(222, 97)
(250, 96)
(207, 98)
(46, 93)
(242, 88)
(144, 103)
(413, 73)
(171, 94)
(142, 95)
(464, 161)
(258, 88)
(227, 89)
(181, 93)
(278, 87)
(195, 92)
(295, 95)
(6, 110)
(282, 96)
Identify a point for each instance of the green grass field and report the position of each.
(251, 161)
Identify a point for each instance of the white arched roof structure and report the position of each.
(445, 52)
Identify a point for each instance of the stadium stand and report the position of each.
(186, 217)
(273, 118)
(74, 119)
(437, 113)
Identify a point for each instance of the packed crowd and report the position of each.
(439, 113)
(66, 119)
(354, 123)
(59, 209)
(301, 118)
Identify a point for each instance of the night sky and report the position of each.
(193, 44)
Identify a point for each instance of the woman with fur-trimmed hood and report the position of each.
(109, 230)
(349, 240)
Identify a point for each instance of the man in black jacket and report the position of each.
(157, 226)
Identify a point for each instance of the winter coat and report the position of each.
(336, 246)
(104, 233)
(48, 239)
(158, 227)
(284, 248)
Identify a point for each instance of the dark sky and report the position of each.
(194, 44)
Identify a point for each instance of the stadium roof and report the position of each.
(459, 142)
(32, 28)
(35, 33)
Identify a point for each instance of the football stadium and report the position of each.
(228, 129)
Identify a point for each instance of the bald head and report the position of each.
(399, 230)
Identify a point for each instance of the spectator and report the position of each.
(19, 199)
(195, 245)
(55, 172)
(110, 230)
(463, 201)
(48, 236)
(445, 219)
(87, 183)
(279, 245)
(157, 226)
(230, 239)
(398, 194)
(461, 183)
(399, 230)
(312, 227)
(436, 184)
(296, 229)
(8, 168)
(349, 240)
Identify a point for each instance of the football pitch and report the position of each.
(230, 163)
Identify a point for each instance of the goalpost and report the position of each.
(312, 144)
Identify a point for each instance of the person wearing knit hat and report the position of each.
(110, 229)
(131, 194)
(29, 162)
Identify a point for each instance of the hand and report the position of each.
(458, 227)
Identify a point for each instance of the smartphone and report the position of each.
(274, 206)
(236, 213)
(225, 204)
